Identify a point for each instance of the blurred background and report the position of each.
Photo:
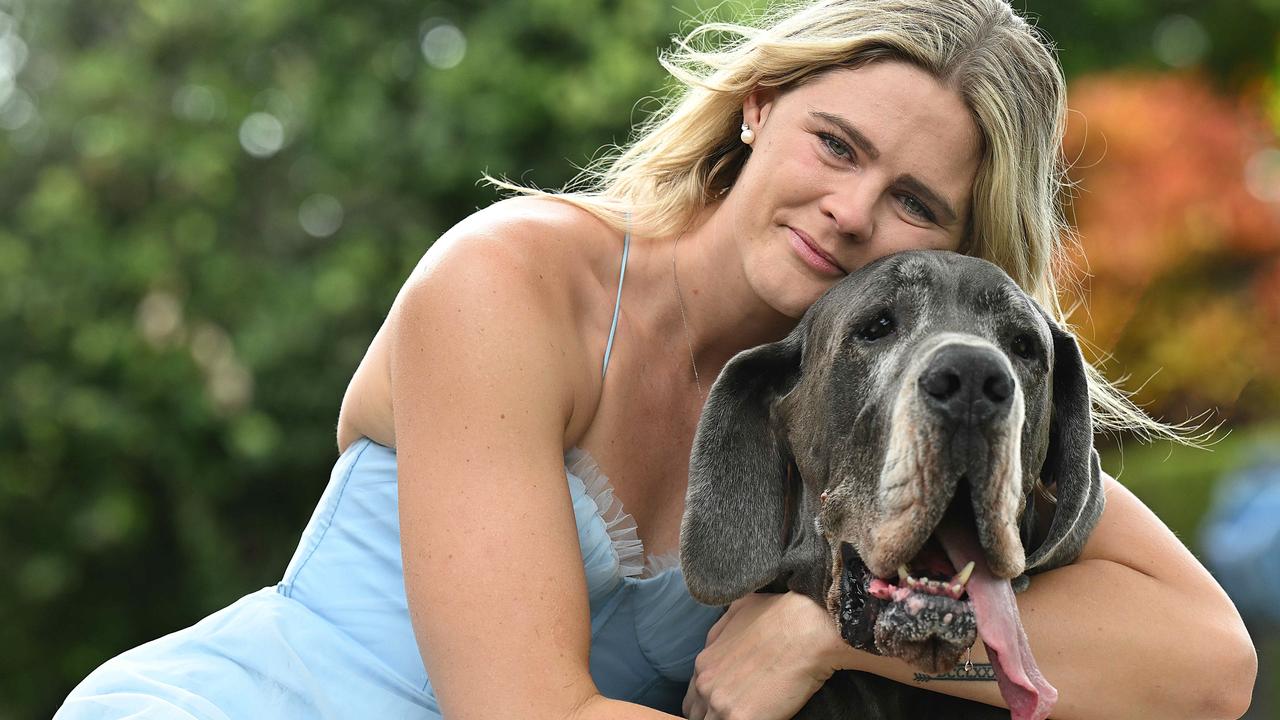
(207, 208)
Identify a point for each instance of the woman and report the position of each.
(455, 574)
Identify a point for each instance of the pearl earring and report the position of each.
(748, 136)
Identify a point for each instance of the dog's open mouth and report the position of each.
(923, 615)
(930, 614)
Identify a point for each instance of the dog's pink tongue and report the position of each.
(1029, 695)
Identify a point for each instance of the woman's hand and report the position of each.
(764, 659)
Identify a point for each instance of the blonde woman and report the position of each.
(471, 558)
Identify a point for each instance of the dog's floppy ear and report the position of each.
(1071, 466)
(731, 540)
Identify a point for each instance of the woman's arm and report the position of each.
(1135, 628)
(482, 393)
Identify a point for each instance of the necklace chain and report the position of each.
(684, 319)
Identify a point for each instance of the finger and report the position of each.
(720, 624)
(715, 631)
(693, 707)
(743, 604)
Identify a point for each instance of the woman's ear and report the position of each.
(757, 106)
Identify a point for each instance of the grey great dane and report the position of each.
(884, 459)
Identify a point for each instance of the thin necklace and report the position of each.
(688, 336)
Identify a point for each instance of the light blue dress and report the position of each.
(333, 639)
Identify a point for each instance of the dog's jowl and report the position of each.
(906, 457)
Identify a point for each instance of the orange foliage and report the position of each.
(1181, 261)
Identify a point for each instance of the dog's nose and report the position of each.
(968, 384)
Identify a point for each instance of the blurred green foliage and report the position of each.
(1235, 41)
(206, 210)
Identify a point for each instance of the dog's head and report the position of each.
(893, 440)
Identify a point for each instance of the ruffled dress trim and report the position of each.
(658, 564)
(621, 527)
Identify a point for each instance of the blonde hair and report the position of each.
(688, 152)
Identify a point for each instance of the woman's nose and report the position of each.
(852, 209)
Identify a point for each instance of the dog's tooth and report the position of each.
(963, 576)
(957, 590)
(903, 573)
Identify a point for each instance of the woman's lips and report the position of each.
(813, 255)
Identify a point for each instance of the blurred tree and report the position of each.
(1234, 41)
(1180, 243)
(207, 210)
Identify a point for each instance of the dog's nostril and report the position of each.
(941, 384)
(998, 388)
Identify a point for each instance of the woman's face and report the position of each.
(846, 168)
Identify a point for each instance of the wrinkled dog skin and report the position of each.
(883, 459)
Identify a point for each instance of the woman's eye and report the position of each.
(917, 208)
(1024, 347)
(836, 146)
(881, 325)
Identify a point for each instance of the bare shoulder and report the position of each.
(534, 240)
(523, 260)
(533, 261)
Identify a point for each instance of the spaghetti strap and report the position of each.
(617, 304)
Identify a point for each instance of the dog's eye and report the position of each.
(1024, 347)
(882, 324)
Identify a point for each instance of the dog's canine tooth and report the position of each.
(903, 574)
(962, 577)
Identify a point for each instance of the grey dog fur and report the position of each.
(824, 399)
